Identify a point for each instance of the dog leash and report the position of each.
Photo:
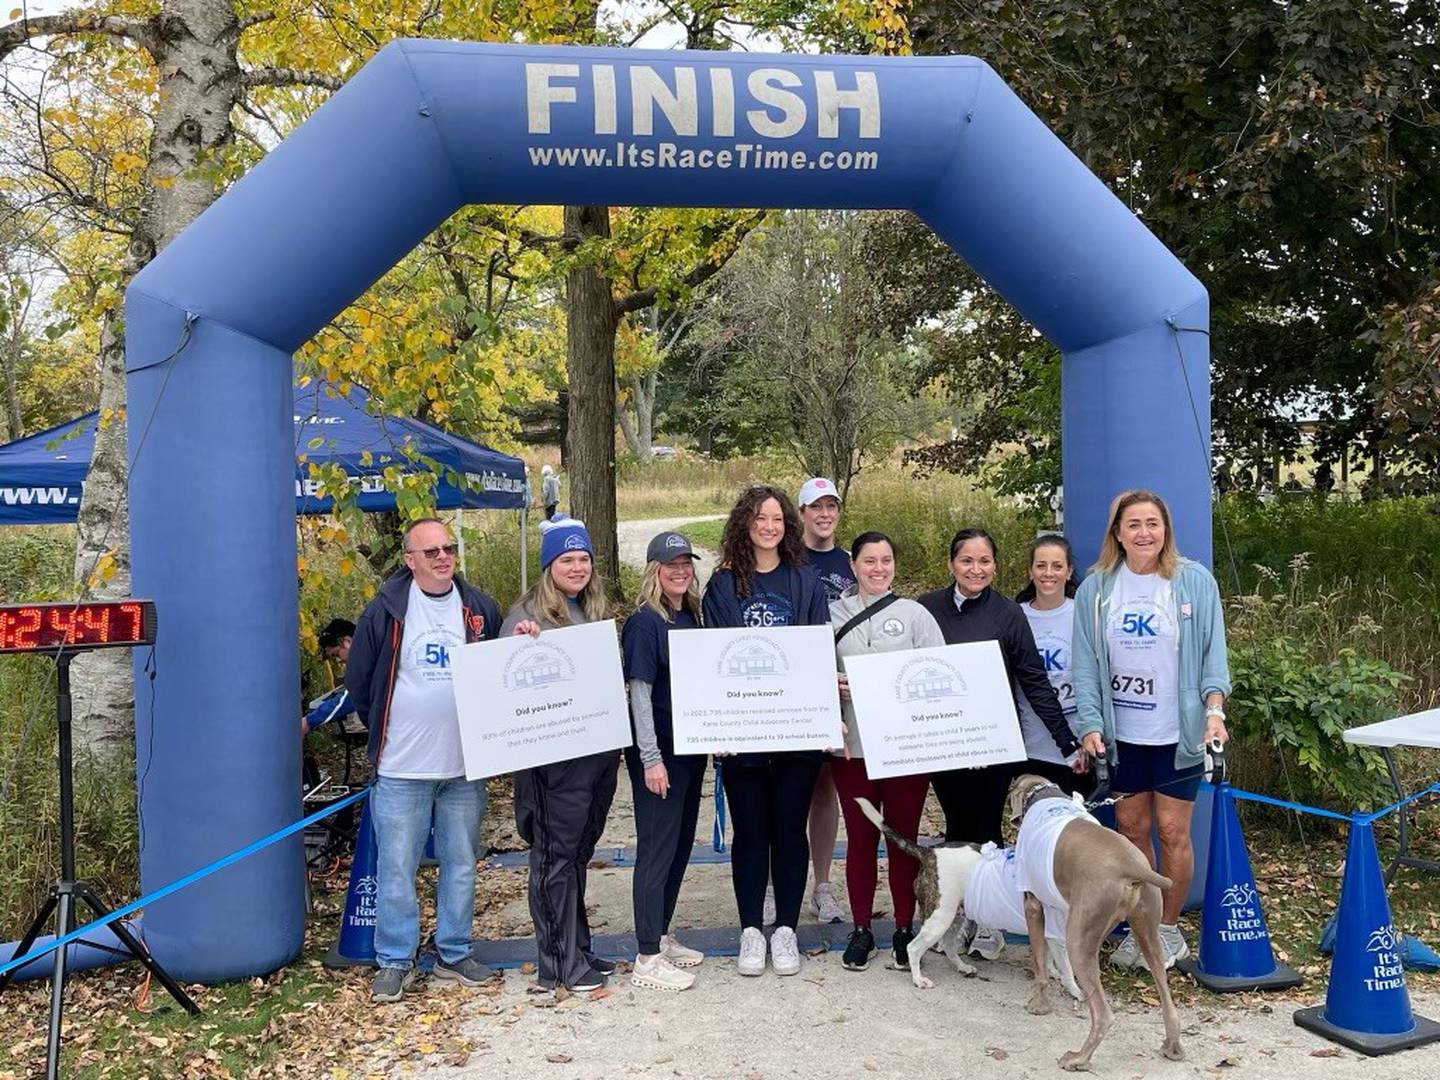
(1214, 772)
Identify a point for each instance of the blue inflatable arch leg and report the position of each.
(427, 127)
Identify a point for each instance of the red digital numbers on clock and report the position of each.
(74, 627)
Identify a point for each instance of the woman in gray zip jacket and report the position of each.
(894, 625)
(1151, 679)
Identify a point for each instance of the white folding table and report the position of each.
(1417, 729)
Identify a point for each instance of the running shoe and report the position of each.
(858, 949)
(784, 951)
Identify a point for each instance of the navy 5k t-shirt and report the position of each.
(833, 566)
(646, 653)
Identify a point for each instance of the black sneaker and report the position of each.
(603, 966)
(858, 949)
(900, 942)
(591, 980)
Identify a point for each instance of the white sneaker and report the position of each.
(767, 917)
(1127, 953)
(680, 955)
(658, 973)
(1172, 945)
(987, 943)
(784, 951)
(752, 952)
(822, 901)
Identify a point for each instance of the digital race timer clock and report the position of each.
(74, 627)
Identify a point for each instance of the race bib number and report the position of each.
(1133, 690)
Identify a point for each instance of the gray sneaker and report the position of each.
(1127, 953)
(987, 943)
(1172, 945)
(389, 984)
(466, 971)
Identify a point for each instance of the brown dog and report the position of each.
(1103, 879)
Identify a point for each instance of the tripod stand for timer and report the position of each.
(61, 631)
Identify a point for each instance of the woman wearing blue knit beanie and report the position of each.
(560, 808)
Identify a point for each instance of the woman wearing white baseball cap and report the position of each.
(819, 505)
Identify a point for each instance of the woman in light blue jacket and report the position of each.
(1151, 679)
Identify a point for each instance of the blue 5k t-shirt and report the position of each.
(833, 566)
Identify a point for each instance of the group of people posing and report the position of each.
(1128, 666)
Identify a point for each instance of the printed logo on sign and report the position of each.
(1243, 921)
(892, 628)
(928, 680)
(1387, 967)
(365, 912)
(1381, 940)
(752, 658)
(538, 665)
(1237, 895)
(751, 112)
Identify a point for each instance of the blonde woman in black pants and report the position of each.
(763, 581)
(666, 784)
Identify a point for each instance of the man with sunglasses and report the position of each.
(399, 675)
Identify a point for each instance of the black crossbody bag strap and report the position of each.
(872, 610)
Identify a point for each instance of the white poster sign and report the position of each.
(927, 710)
(527, 701)
(757, 689)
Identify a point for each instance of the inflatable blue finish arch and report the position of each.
(427, 127)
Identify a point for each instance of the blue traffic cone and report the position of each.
(1235, 948)
(1367, 1006)
(355, 946)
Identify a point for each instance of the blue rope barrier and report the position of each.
(1286, 805)
(180, 883)
(718, 830)
(1378, 814)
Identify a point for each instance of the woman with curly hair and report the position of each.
(763, 581)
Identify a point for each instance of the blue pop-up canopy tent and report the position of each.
(43, 475)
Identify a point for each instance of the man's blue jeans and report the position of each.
(401, 811)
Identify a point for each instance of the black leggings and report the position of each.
(973, 801)
(769, 807)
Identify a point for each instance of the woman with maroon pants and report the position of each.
(871, 619)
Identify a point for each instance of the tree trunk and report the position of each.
(10, 352)
(193, 45)
(637, 415)
(590, 364)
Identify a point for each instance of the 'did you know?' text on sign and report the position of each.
(527, 701)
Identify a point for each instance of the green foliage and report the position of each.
(921, 517)
(36, 564)
(1302, 677)
(1284, 150)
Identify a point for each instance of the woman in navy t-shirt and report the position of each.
(666, 784)
(763, 582)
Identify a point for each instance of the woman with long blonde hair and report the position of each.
(1151, 678)
(666, 785)
(560, 809)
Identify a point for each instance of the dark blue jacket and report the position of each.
(375, 648)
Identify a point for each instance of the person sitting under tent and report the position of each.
(334, 707)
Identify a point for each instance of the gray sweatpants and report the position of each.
(560, 811)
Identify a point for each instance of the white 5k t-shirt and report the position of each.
(1052, 631)
(1144, 645)
(422, 741)
(1035, 855)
